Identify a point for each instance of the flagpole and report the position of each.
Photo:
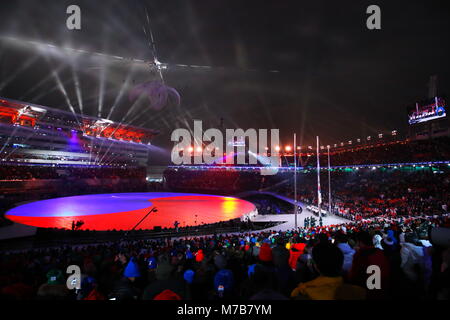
(319, 196)
(295, 179)
(329, 181)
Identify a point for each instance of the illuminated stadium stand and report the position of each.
(33, 134)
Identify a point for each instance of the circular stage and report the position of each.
(122, 211)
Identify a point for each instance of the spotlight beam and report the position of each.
(101, 91)
(76, 80)
(40, 83)
(153, 64)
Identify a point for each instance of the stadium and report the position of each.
(346, 205)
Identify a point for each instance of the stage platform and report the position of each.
(122, 211)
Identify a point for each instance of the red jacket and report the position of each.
(199, 255)
(296, 254)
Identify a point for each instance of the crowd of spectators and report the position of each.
(404, 151)
(55, 236)
(25, 172)
(235, 181)
(320, 263)
(356, 193)
(391, 192)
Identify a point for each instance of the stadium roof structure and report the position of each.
(18, 111)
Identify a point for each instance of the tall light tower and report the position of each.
(295, 179)
(319, 195)
(329, 181)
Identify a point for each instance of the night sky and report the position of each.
(337, 79)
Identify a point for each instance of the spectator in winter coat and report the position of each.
(224, 283)
(125, 288)
(295, 253)
(165, 280)
(329, 285)
(347, 251)
(55, 288)
(412, 255)
(367, 255)
(280, 255)
(265, 253)
(261, 279)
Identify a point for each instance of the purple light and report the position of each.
(205, 167)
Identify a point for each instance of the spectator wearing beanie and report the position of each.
(124, 289)
(167, 295)
(189, 275)
(224, 279)
(265, 253)
(199, 255)
(132, 270)
(55, 288)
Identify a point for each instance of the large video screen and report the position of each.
(426, 111)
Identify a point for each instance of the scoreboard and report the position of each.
(429, 110)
